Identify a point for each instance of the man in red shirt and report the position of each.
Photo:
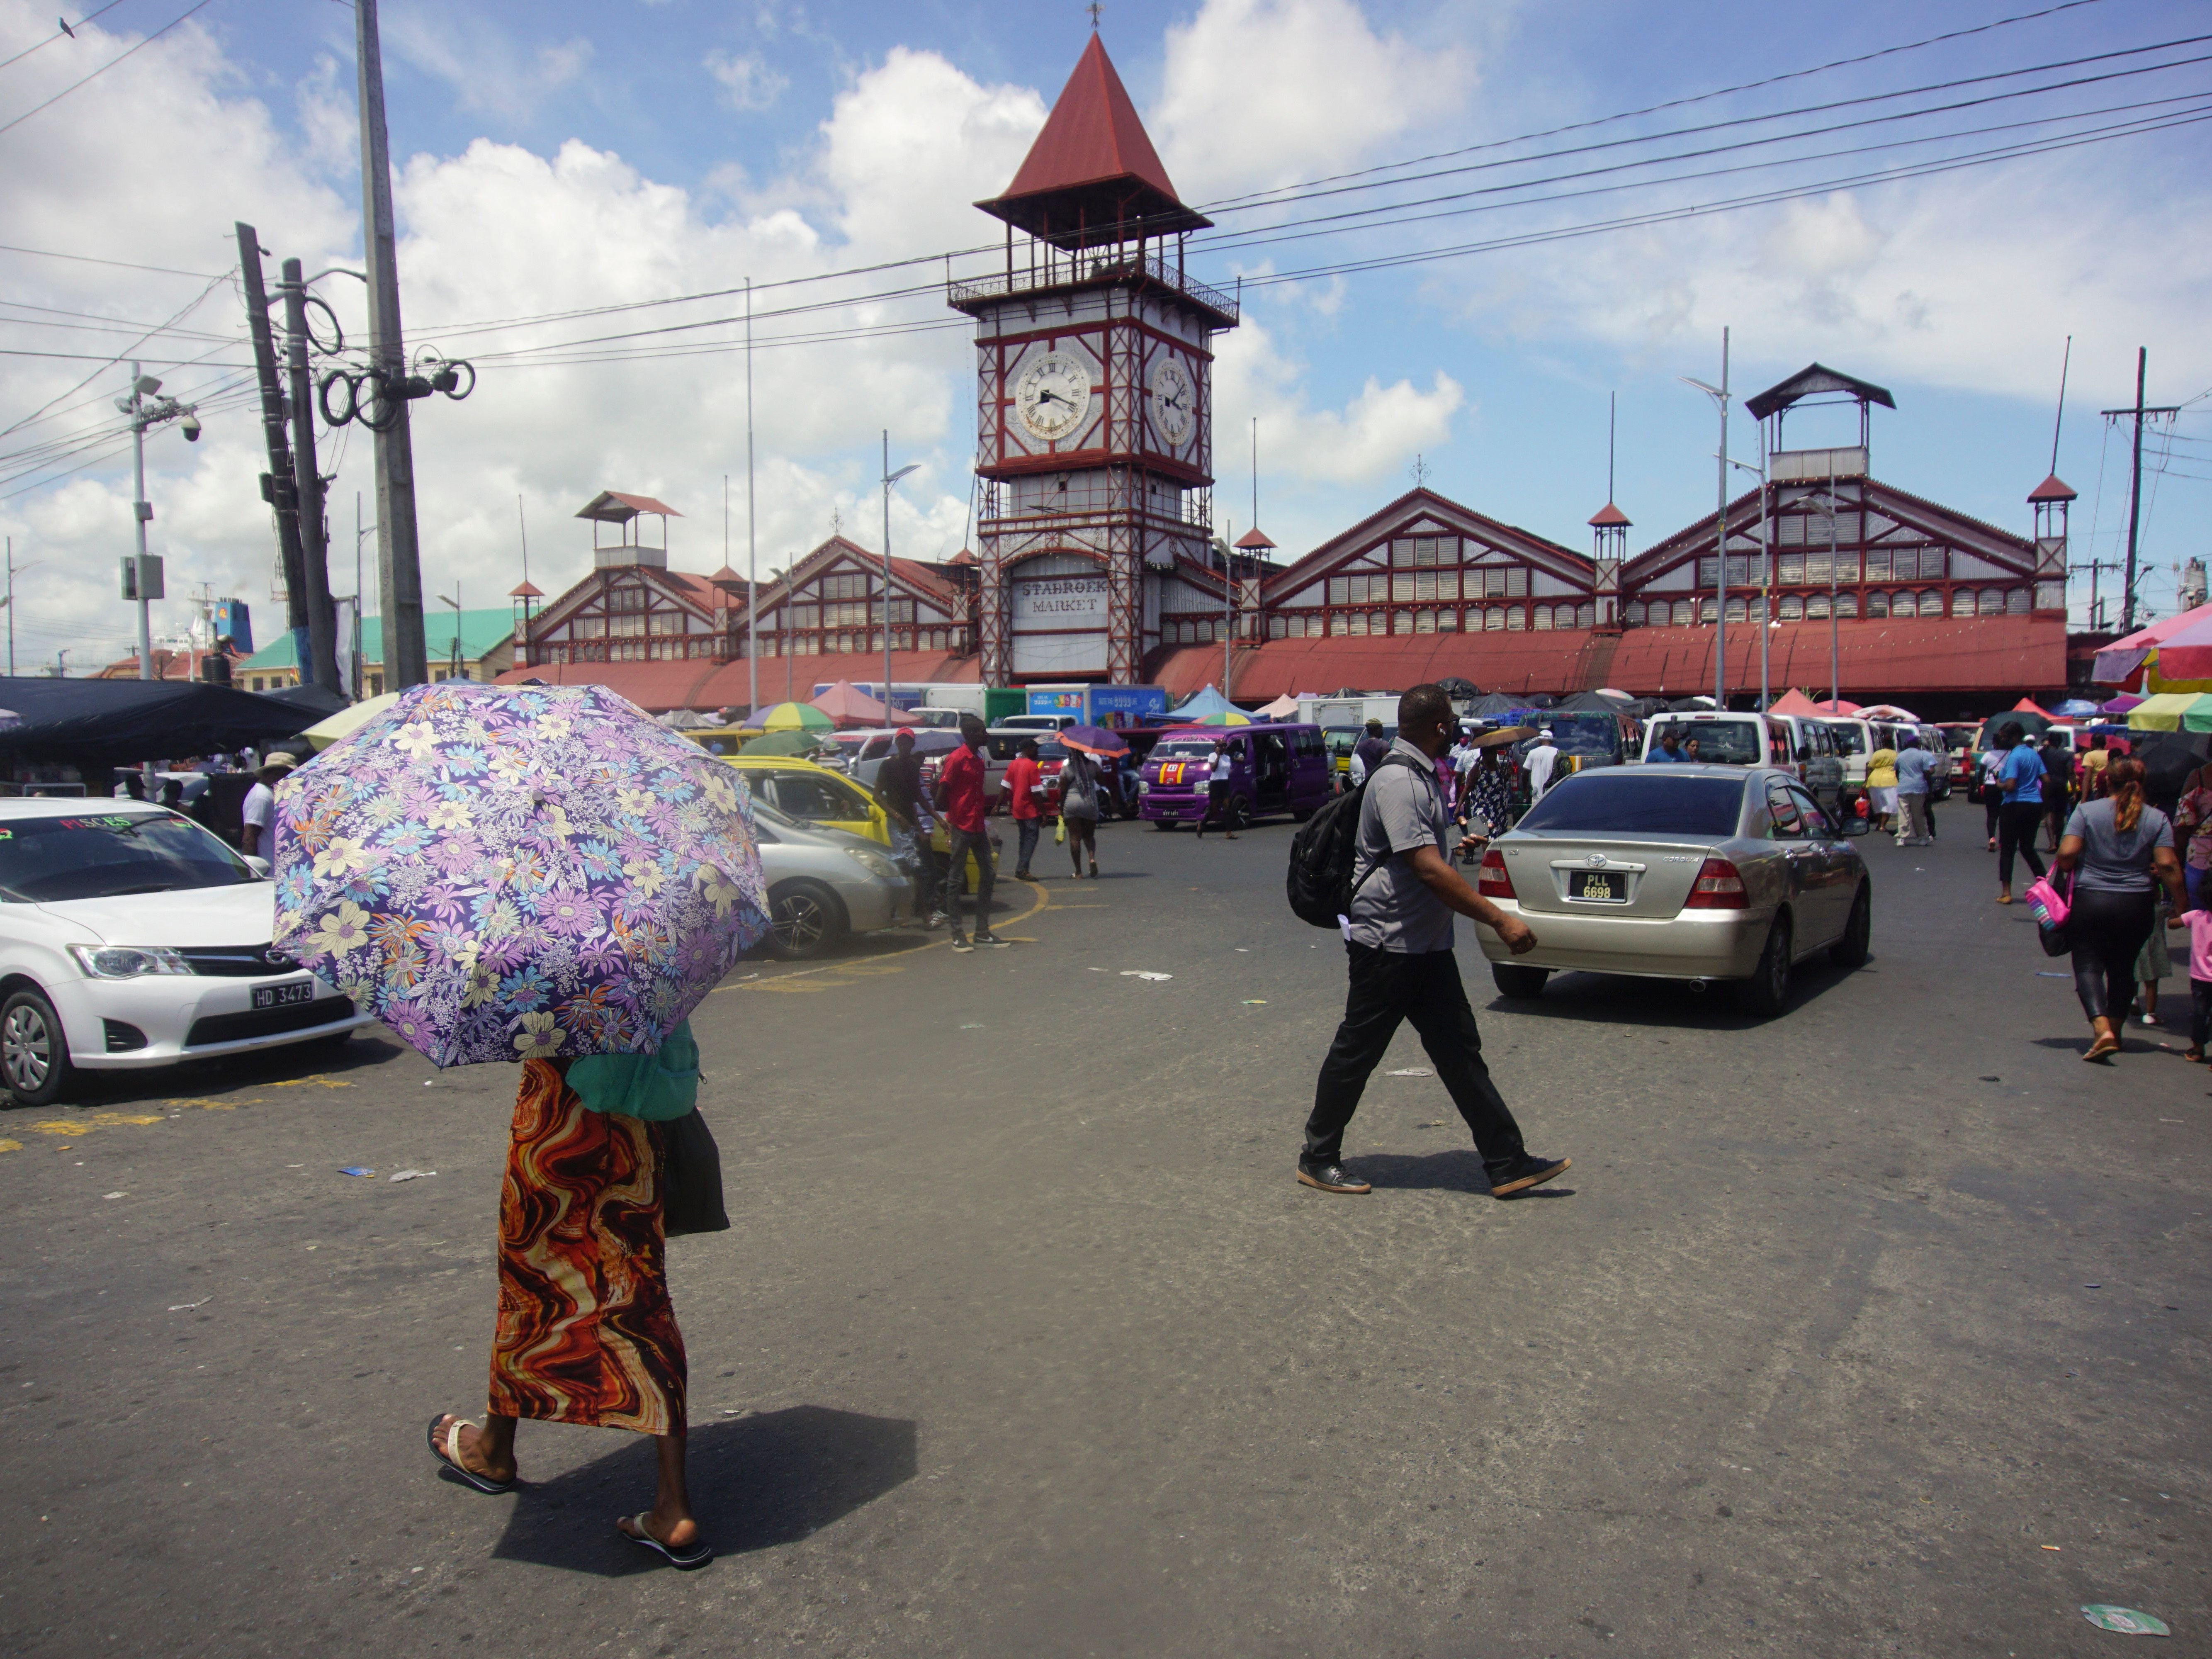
(1020, 783)
(960, 798)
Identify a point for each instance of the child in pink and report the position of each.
(2198, 921)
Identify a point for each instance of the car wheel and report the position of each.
(1240, 812)
(806, 920)
(1514, 980)
(1301, 817)
(34, 1062)
(1766, 993)
(1851, 950)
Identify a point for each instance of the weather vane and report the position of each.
(1419, 472)
(1094, 9)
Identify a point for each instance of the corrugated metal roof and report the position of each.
(1893, 657)
(1609, 515)
(2053, 488)
(481, 631)
(658, 687)
(612, 507)
(1813, 379)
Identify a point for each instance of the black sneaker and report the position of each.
(961, 944)
(992, 941)
(1524, 1172)
(1330, 1178)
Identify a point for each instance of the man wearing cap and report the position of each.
(1539, 763)
(259, 811)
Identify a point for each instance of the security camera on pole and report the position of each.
(141, 572)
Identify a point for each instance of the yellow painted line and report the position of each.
(11, 1145)
(63, 1125)
(781, 982)
(302, 1082)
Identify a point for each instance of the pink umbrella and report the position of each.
(2185, 654)
(2118, 662)
(847, 705)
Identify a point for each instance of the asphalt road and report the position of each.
(1879, 1327)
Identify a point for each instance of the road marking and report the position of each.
(302, 1082)
(784, 982)
(11, 1145)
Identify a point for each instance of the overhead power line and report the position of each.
(127, 52)
(62, 34)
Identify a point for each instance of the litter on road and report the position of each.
(355, 1169)
(1411, 1071)
(1141, 973)
(2126, 1620)
(410, 1175)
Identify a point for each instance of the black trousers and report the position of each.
(1388, 986)
(1216, 808)
(2108, 931)
(2018, 820)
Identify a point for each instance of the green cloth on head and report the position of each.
(657, 1087)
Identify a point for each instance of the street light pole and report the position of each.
(890, 479)
(141, 510)
(1835, 652)
(1719, 394)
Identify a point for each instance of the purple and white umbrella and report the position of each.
(518, 872)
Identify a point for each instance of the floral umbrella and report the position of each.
(514, 872)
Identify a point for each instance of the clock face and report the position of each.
(1174, 402)
(1053, 394)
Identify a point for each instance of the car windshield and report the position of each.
(1850, 739)
(1583, 734)
(1184, 749)
(1731, 743)
(1052, 748)
(108, 855)
(1625, 799)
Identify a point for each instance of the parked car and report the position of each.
(1697, 872)
(1586, 738)
(131, 937)
(1273, 770)
(825, 885)
(1036, 724)
(813, 794)
(869, 761)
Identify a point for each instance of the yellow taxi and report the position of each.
(815, 794)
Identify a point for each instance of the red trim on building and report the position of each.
(658, 687)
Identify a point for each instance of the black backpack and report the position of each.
(1324, 852)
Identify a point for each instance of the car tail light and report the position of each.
(1719, 886)
(1492, 881)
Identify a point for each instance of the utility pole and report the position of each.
(891, 480)
(11, 607)
(143, 582)
(398, 553)
(2095, 567)
(1719, 394)
(2137, 414)
(279, 487)
(314, 526)
(752, 535)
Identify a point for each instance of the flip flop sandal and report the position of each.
(450, 1455)
(696, 1553)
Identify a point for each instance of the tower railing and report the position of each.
(1084, 271)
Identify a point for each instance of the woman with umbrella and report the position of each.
(1080, 789)
(505, 873)
(1489, 796)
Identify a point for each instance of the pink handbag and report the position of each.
(2047, 905)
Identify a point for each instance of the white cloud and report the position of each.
(1261, 93)
(1373, 436)
(491, 73)
(748, 82)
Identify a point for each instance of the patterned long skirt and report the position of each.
(586, 1332)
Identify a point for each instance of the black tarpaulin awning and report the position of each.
(124, 722)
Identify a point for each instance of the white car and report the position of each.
(131, 937)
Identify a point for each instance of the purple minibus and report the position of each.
(1273, 770)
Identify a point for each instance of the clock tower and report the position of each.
(1093, 396)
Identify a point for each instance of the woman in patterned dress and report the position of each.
(586, 1332)
(1489, 795)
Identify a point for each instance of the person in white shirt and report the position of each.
(1538, 762)
(259, 811)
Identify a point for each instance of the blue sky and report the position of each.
(557, 156)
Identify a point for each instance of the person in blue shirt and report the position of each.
(1669, 748)
(2021, 778)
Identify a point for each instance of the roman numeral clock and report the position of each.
(1093, 375)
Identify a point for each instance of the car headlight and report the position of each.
(125, 961)
(874, 863)
(1143, 787)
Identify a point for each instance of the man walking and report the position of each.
(1216, 791)
(1914, 765)
(1398, 938)
(960, 796)
(1539, 761)
(898, 788)
(258, 811)
(1020, 785)
(1368, 752)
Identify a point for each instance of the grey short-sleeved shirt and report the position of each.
(2114, 860)
(1393, 909)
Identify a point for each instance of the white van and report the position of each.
(1725, 737)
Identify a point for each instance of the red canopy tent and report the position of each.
(2029, 706)
(1797, 703)
(847, 705)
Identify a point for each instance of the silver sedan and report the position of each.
(823, 884)
(1699, 872)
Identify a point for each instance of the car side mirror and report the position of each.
(1855, 825)
(260, 867)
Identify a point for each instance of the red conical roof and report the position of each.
(1608, 516)
(1092, 175)
(1253, 539)
(2053, 488)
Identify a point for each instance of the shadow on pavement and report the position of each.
(367, 1047)
(755, 1482)
(1613, 998)
(1442, 1172)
